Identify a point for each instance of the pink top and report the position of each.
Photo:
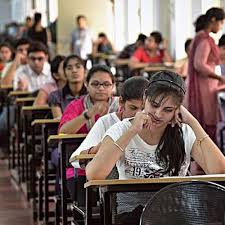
(74, 109)
(141, 54)
(49, 87)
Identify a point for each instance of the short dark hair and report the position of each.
(22, 41)
(102, 34)
(76, 57)
(133, 88)
(56, 62)
(141, 38)
(37, 46)
(187, 44)
(7, 45)
(37, 17)
(80, 17)
(157, 36)
(99, 68)
(222, 41)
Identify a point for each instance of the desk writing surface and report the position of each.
(44, 121)
(158, 68)
(65, 136)
(81, 157)
(215, 177)
(5, 86)
(121, 62)
(40, 107)
(17, 93)
(25, 99)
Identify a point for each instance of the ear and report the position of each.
(55, 75)
(121, 102)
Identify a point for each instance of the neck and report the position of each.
(75, 88)
(120, 115)
(152, 137)
(61, 83)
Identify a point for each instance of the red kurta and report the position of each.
(201, 89)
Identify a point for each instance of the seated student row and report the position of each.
(158, 141)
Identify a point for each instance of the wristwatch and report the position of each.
(86, 115)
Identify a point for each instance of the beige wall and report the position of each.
(98, 12)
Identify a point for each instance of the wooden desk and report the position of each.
(64, 141)
(121, 62)
(107, 187)
(45, 121)
(19, 93)
(48, 126)
(82, 157)
(25, 99)
(30, 113)
(20, 102)
(2, 86)
(158, 68)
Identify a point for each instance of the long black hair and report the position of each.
(170, 152)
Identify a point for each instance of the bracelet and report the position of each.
(120, 148)
(199, 141)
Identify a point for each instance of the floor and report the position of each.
(14, 209)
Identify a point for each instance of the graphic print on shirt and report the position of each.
(140, 164)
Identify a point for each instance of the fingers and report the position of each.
(178, 117)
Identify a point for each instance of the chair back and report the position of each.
(188, 203)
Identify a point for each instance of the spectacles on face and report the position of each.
(40, 59)
(97, 85)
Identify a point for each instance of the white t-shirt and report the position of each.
(139, 160)
(96, 134)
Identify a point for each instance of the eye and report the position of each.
(154, 104)
(168, 110)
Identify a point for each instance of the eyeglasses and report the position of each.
(105, 85)
(36, 58)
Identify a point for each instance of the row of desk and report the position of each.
(106, 187)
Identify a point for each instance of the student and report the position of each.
(182, 65)
(10, 68)
(103, 45)
(80, 115)
(131, 101)
(59, 81)
(74, 71)
(151, 52)
(157, 142)
(6, 54)
(36, 72)
(129, 50)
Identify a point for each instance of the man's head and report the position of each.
(81, 21)
(21, 47)
(37, 56)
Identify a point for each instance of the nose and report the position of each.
(157, 112)
(101, 87)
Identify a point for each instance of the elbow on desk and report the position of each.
(93, 174)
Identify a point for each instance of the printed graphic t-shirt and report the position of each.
(139, 160)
